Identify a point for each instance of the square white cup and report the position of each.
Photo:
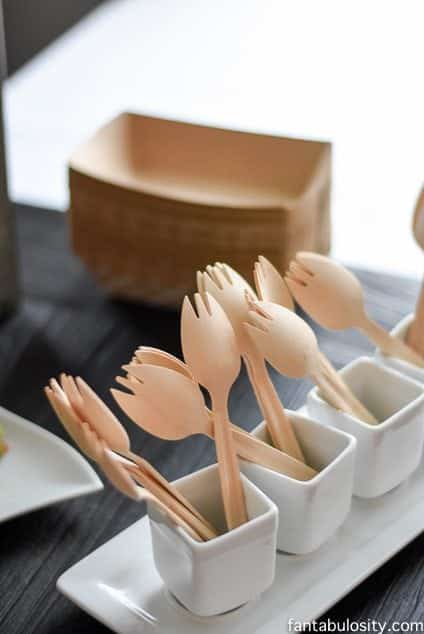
(389, 452)
(213, 577)
(409, 369)
(310, 511)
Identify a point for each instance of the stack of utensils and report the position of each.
(288, 484)
(292, 466)
(228, 321)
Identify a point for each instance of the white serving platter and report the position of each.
(39, 469)
(118, 583)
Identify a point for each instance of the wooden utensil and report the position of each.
(90, 428)
(116, 469)
(418, 219)
(231, 290)
(201, 526)
(77, 429)
(181, 515)
(271, 287)
(95, 412)
(415, 334)
(156, 406)
(155, 356)
(121, 473)
(100, 417)
(247, 446)
(290, 345)
(210, 350)
(113, 467)
(333, 296)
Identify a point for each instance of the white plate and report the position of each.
(118, 584)
(39, 469)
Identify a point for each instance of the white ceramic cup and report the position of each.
(213, 577)
(311, 511)
(389, 452)
(409, 369)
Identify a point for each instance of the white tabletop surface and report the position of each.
(348, 72)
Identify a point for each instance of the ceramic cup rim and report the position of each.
(224, 540)
(399, 331)
(391, 420)
(313, 482)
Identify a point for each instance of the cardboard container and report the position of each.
(154, 200)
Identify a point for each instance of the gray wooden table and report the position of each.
(66, 323)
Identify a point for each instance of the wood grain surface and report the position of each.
(66, 323)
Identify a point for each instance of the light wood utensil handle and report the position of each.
(147, 496)
(356, 408)
(390, 345)
(172, 503)
(231, 485)
(118, 471)
(330, 395)
(279, 426)
(415, 334)
(168, 486)
(254, 450)
(418, 219)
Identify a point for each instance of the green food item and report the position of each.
(3, 446)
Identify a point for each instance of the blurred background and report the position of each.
(350, 73)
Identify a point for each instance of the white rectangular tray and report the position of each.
(118, 583)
